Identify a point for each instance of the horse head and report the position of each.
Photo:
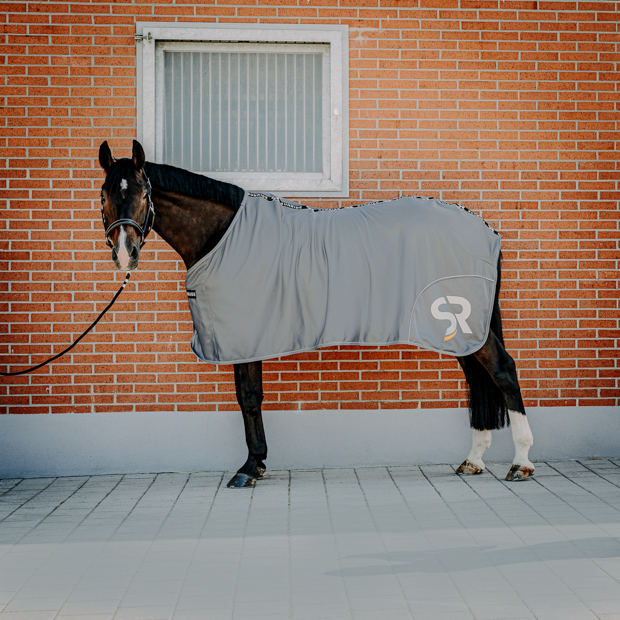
(126, 206)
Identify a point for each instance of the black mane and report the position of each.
(196, 185)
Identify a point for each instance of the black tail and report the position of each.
(487, 406)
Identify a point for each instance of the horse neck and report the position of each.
(192, 226)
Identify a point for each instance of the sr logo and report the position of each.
(453, 318)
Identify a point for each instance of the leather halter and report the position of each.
(147, 226)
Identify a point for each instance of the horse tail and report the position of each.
(487, 406)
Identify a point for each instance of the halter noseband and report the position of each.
(143, 230)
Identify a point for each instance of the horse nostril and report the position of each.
(114, 254)
(135, 253)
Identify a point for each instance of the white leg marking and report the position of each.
(122, 253)
(481, 441)
(522, 436)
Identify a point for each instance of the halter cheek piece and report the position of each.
(143, 230)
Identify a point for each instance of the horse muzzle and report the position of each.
(125, 252)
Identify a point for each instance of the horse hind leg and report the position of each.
(502, 370)
(522, 467)
(473, 464)
(485, 404)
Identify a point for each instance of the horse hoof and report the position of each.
(241, 481)
(519, 472)
(261, 471)
(468, 468)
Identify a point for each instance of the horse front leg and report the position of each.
(501, 367)
(249, 387)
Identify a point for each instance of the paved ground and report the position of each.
(367, 544)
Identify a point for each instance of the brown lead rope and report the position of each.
(51, 359)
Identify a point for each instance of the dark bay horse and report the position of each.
(192, 212)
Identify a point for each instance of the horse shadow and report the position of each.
(478, 557)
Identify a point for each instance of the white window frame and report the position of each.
(334, 180)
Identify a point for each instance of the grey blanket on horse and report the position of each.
(287, 278)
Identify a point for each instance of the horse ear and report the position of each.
(105, 156)
(137, 155)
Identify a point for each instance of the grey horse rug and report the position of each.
(287, 278)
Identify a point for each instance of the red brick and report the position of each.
(445, 100)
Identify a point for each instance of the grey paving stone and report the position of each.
(202, 613)
(34, 604)
(366, 543)
(392, 614)
(565, 613)
(85, 617)
(91, 607)
(27, 615)
(501, 612)
(144, 613)
(607, 606)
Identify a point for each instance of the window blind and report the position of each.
(243, 111)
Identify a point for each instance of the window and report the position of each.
(261, 106)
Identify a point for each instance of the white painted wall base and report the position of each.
(102, 443)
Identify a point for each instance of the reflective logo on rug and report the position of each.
(452, 315)
(459, 318)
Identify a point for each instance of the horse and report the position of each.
(192, 213)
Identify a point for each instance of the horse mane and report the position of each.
(182, 181)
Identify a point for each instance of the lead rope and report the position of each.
(51, 359)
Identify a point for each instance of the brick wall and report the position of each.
(511, 108)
